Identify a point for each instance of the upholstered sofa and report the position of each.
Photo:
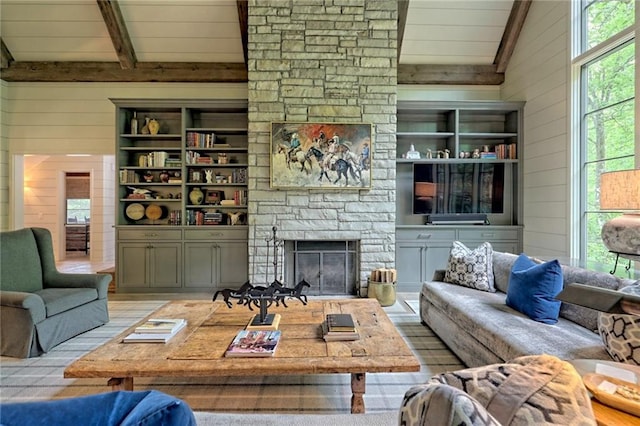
(41, 307)
(481, 329)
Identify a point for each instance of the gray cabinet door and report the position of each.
(234, 263)
(202, 265)
(437, 257)
(410, 263)
(133, 267)
(165, 264)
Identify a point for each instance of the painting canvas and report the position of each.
(321, 155)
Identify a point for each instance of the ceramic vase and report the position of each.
(154, 126)
(196, 196)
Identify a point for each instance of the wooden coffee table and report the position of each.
(198, 350)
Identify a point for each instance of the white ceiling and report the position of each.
(436, 32)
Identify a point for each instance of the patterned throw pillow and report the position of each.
(620, 334)
(471, 268)
(529, 390)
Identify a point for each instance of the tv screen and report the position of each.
(458, 188)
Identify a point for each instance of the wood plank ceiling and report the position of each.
(439, 42)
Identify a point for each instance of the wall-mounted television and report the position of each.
(463, 188)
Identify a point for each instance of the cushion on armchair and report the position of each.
(535, 389)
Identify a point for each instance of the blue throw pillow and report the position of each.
(533, 288)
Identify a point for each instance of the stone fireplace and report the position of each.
(323, 61)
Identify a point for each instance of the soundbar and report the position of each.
(458, 219)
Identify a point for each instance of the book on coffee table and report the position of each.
(336, 336)
(136, 337)
(160, 325)
(254, 343)
(340, 322)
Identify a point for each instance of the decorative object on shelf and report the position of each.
(209, 175)
(164, 176)
(263, 297)
(412, 154)
(235, 218)
(476, 153)
(134, 123)
(148, 176)
(443, 153)
(153, 126)
(213, 196)
(135, 211)
(429, 154)
(462, 154)
(154, 212)
(620, 191)
(145, 128)
(222, 158)
(196, 196)
(303, 157)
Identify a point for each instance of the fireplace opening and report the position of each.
(330, 267)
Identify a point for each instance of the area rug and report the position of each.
(42, 378)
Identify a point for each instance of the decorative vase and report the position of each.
(164, 176)
(134, 124)
(154, 126)
(196, 196)
(145, 128)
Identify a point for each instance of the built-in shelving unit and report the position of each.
(182, 194)
(452, 145)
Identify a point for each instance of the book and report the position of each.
(152, 337)
(160, 325)
(340, 322)
(254, 322)
(336, 336)
(254, 343)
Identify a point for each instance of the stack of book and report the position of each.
(338, 327)
(156, 330)
(254, 343)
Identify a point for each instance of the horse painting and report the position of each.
(295, 157)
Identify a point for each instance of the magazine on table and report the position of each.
(254, 343)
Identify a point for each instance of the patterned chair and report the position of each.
(536, 389)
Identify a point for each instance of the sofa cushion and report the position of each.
(58, 300)
(20, 268)
(484, 319)
(471, 268)
(533, 289)
(588, 317)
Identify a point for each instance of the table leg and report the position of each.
(358, 385)
(121, 383)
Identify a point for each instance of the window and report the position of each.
(78, 197)
(606, 66)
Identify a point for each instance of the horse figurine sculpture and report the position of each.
(295, 292)
(229, 293)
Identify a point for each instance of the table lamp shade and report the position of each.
(621, 191)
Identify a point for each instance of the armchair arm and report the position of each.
(100, 282)
(27, 301)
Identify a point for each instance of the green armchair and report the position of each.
(41, 307)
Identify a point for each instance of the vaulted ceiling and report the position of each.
(440, 42)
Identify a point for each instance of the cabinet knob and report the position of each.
(424, 236)
(488, 234)
(216, 234)
(150, 234)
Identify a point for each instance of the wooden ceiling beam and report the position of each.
(166, 72)
(6, 58)
(117, 28)
(449, 74)
(243, 20)
(511, 33)
(403, 10)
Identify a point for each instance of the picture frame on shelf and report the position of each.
(321, 155)
(213, 196)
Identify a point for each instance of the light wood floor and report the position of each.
(80, 263)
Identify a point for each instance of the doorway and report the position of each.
(77, 213)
